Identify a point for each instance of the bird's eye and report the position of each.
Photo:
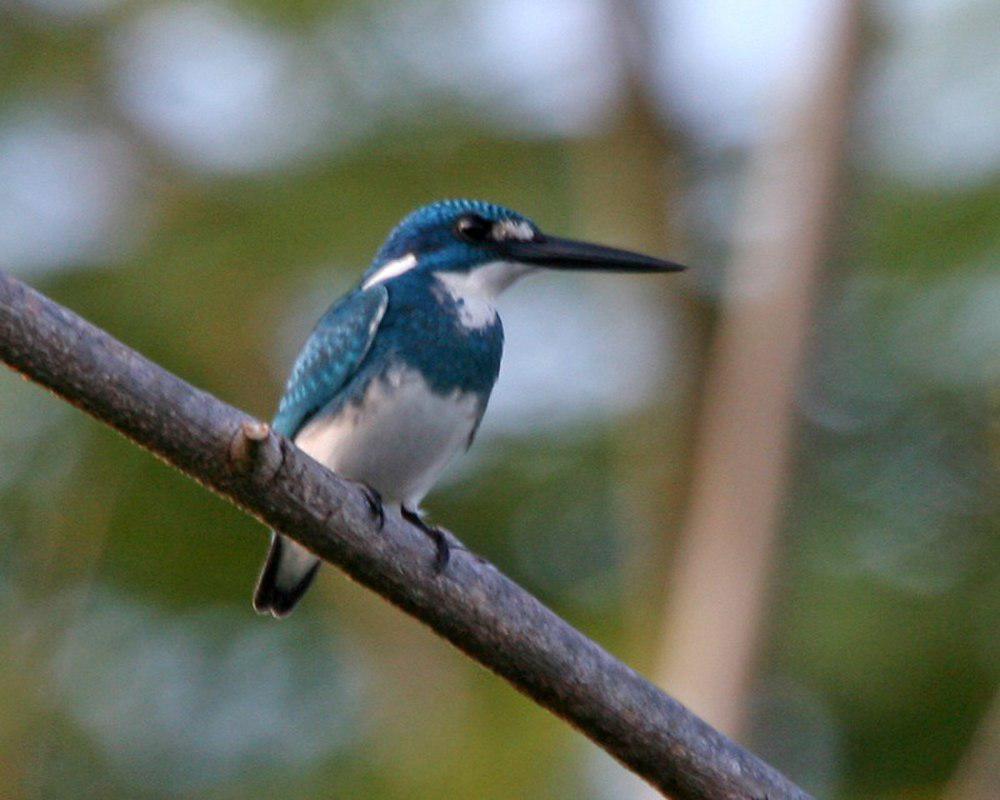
(473, 228)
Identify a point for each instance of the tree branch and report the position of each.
(471, 604)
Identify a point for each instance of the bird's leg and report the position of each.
(434, 533)
(375, 507)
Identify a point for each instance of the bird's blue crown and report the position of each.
(452, 235)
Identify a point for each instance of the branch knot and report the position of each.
(246, 445)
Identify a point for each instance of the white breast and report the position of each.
(398, 440)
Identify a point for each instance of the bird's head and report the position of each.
(488, 247)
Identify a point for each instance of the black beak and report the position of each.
(555, 253)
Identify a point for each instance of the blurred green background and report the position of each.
(202, 178)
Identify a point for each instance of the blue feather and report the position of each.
(330, 357)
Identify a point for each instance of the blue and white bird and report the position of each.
(395, 377)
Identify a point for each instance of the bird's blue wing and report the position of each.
(330, 356)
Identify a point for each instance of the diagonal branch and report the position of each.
(471, 604)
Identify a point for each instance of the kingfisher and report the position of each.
(394, 379)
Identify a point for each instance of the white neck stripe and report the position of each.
(391, 269)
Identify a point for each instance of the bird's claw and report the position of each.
(443, 550)
(435, 534)
(375, 507)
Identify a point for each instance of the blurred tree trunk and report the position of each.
(978, 776)
(719, 583)
(629, 187)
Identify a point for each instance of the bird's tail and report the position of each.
(287, 573)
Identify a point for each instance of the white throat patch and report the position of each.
(476, 290)
(391, 269)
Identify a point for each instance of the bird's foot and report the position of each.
(435, 534)
(375, 506)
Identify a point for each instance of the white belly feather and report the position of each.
(398, 440)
